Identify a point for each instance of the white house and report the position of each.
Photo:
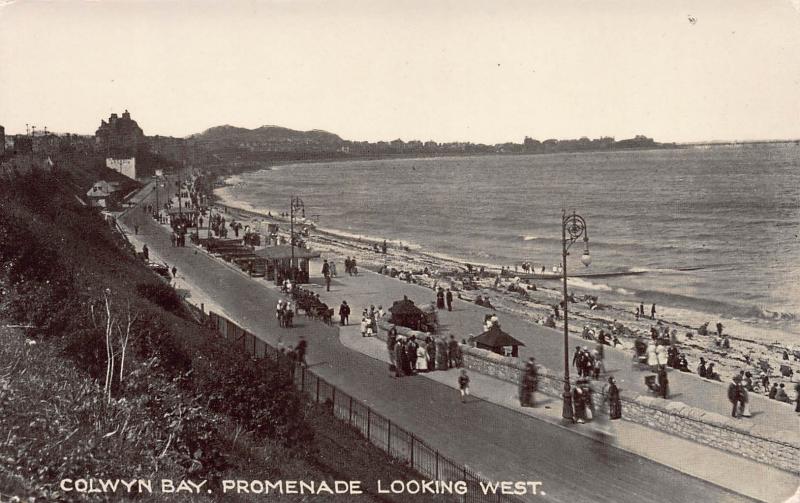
(125, 166)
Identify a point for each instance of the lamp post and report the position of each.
(295, 205)
(573, 227)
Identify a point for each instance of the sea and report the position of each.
(712, 231)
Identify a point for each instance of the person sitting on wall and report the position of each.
(683, 365)
(781, 395)
(710, 374)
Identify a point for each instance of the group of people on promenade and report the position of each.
(284, 313)
(369, 320)
(444, 297)
(408, 355)
(350, 267)
(583, 402)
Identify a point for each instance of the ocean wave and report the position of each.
(530, 238)
(588, 285)
(763, 313)
(395, 243)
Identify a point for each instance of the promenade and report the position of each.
(547, 346)
(494, 439)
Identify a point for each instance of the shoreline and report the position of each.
(445, 271)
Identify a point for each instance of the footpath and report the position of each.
(489, 433)
(727, 470)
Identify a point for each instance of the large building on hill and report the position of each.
(120, 136)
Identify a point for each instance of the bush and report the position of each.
(161, 295)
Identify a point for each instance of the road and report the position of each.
(494, 441)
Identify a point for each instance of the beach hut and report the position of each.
(406, 314)
(279, 262)
(497, 341)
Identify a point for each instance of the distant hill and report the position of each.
(267, 136)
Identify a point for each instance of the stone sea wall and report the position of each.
(760, 443)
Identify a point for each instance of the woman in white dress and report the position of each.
(422, 358)
(652, 356)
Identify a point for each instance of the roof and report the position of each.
(103, 189)
(496, 338)
(405, 306)
(285, 252)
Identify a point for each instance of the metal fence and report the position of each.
(379, 430)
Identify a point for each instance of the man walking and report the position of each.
(653, 312)
(735, 394)
(449, 299)
(344, 313)
(326, 272)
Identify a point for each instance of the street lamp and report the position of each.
(573, 227)
(295, 205)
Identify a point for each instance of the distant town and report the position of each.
(126, 149)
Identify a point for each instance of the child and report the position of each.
(463, 384)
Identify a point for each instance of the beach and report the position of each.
(433, 271)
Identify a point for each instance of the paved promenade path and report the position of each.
(496, 441)
(547, 346)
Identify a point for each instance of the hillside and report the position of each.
(112, 376)
(267, 135)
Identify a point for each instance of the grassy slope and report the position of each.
(187, 406)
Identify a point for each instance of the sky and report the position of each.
(483, 71)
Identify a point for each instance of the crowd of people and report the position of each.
(409, 355)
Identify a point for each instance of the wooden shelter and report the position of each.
(406, 314)
(497, 341)
(280, 266)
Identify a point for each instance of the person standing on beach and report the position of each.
(653, 312)
(449, 299)
(174, 272)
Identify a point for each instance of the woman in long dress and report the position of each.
(652, 357)
(422, 358)
(441, 353)
(614, 402)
